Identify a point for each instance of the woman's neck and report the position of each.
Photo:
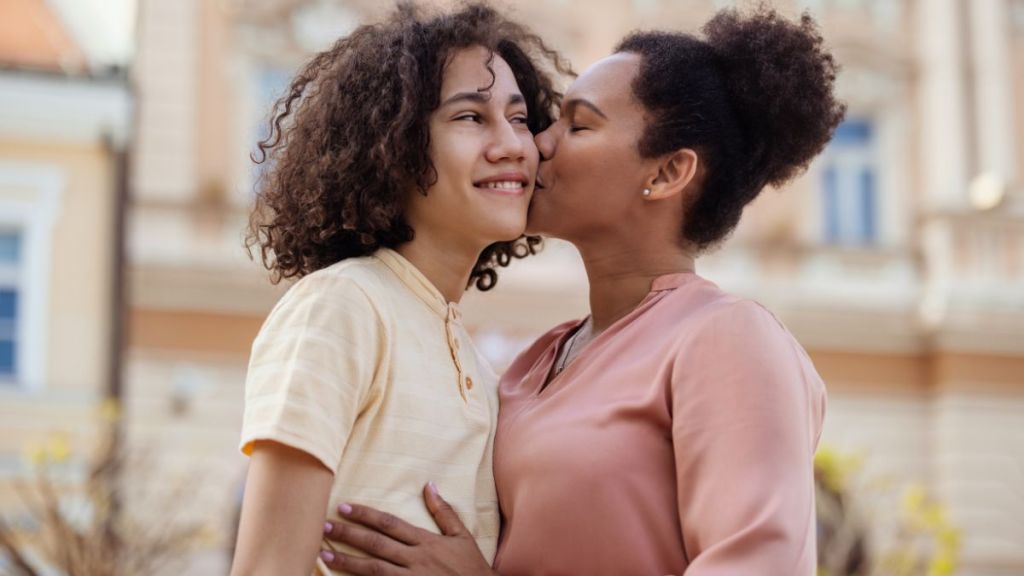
(447, 265)
(621, 275)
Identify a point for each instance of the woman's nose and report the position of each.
(546, 142)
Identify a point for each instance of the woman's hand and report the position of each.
(397, 547)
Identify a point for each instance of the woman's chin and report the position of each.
(537, 223)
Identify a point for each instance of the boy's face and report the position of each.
(484, 154)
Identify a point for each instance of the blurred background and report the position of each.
(128, 304)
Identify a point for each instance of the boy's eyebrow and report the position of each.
(480, 98)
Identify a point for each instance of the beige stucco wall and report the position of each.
(1017, 78)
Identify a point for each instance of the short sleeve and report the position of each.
(312, 368)
(748, 408)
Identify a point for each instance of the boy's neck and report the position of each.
(447, 265)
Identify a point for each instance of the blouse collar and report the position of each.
(671, 281)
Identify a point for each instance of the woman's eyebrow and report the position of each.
(571, 105)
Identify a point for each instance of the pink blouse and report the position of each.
(680, 440)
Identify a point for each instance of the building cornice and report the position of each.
(57, 108)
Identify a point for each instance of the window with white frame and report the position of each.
(29, 204)
(849, 186)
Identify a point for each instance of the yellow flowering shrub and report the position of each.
(916, 538)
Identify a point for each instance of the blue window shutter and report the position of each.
(8, 358)
(867, 206)
(10, 248)
(8, 305)
(853, 133)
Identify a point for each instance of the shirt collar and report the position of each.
(419, 284)
(671, 281)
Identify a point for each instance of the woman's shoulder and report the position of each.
(747, 353)
(704, 304)
(740, 329)
(702, 315)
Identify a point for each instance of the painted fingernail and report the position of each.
(328, 527)
(327, 556)
(345, 509)
(433, 488)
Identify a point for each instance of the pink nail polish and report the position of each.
(345, 509)
(327, 556)
(328, 527)
(433, 488)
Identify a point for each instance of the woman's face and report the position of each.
(484, 154)
(592, 176)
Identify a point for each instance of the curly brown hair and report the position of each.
(350, 138)
(755, 97)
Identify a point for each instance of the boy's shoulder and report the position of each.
(367, 273)
(352, 287)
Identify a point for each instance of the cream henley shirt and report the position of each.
(366, 367)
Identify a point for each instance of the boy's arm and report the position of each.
(283, 512)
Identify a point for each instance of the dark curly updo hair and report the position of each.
(351, 138)
(754, 98)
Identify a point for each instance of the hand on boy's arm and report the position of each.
(399, 548)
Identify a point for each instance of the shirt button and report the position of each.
(469, 383)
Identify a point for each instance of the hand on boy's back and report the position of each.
(396, 547)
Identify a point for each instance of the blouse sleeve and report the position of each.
(747, 412)
(312, 368)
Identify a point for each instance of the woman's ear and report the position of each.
(675, 173)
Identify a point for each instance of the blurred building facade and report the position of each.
(884, 259)
(64, 118)
(897, 259)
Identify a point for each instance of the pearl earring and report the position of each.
(647, 192)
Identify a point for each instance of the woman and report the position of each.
(363, 382)
(673, 430)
